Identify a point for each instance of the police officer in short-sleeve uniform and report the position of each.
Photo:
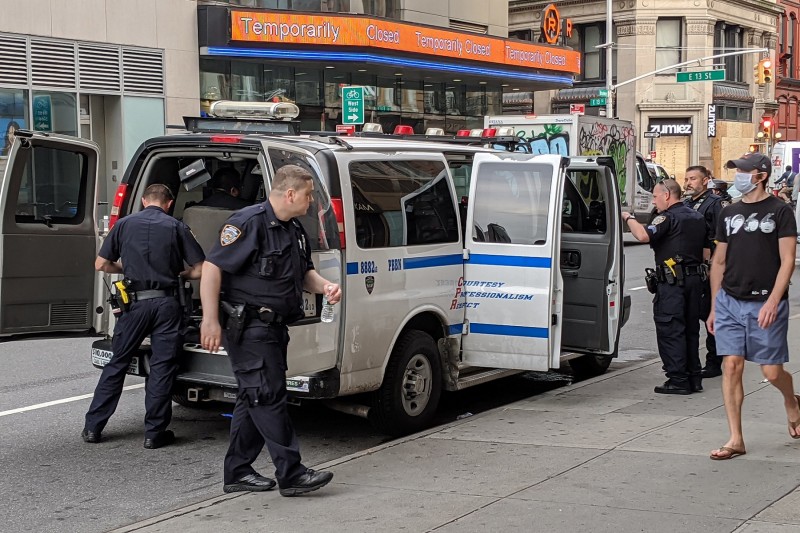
(153, 247)
(263, 263)
(678, 234)
(704, 201)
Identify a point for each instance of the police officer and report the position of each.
(153, 247)
(678, 236)
(720, 188)
(708, 204)
(263, 263)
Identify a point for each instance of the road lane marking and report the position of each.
(63, 400)
(794, 316)
(638, 288)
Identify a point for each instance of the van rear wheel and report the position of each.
(588, 366)
(412, 386)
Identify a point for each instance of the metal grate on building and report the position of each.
(53, 63)
(471, 27)
(69, 314)
(13, 60)
(99, 68)
(143, 71)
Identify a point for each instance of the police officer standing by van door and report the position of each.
(263, 263)
(678, 236)
(708, 204)
(153, 248)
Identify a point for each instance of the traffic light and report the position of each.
(762, 72)
(766, 128)
(753, 148)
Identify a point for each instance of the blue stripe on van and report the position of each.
(510, 260)
(433, 261)
(455, 329)
(511, 331)
(352, 268)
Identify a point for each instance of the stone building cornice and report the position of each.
(671, 106)
(700, 26)
(639, 26)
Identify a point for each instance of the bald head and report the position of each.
(671, 186)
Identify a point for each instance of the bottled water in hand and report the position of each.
(327, 308)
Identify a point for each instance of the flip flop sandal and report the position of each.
(795, 425)
(730, 451)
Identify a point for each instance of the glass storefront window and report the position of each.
(55, 112)
(13, 117)
(378, 8)
(307, 86)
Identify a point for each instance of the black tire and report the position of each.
(181, 400)
(588, 366)
(394, 409)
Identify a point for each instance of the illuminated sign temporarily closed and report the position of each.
(331, 30)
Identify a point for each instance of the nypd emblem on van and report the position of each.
(369, 281)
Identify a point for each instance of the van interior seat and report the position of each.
(206, 224)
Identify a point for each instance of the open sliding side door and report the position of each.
(512, 282)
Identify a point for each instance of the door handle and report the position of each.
(570, 259)
(570, 273)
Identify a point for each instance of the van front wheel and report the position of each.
(412, 386)
(588, 366)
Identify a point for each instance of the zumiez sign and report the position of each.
(671, 128)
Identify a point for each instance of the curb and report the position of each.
(375, 449)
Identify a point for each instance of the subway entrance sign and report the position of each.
(703, 75)
(352, 105)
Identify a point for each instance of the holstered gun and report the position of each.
(651, 280)
(236, 320)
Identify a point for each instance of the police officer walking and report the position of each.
(678, 236)
(154, 248)
(708, 204)
(263, 263)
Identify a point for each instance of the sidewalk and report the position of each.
(602, 455)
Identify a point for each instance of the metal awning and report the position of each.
(732, 94)
(577, 94)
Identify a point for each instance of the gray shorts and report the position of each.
(738, 332)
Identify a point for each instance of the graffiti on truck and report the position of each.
(547, 139)
(612, 140)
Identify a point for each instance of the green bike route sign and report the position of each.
(352, 105)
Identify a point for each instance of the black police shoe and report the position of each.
(165, 438)
(696, 383)
(711, 371)
(92, 437)
(254, 482)
(308, 482)
(670, 388)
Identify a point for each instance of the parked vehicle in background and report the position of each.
(783, 154)
(657, 171)
(584, 135)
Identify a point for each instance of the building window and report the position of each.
(378, 8)
(585, 39)
(790, 72)
(669, 33)
(729, 38)
(735, 112)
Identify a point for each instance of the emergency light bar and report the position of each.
(372, 127)
(262, 110)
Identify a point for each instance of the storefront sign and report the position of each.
(333, 30)
(670, 127)
(553, 27)
(712, 120)
(42, 113)
(577, 109)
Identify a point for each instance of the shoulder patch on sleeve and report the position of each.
(229, 234)
(658, 220)
(725, 203)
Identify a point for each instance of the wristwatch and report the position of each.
(627, 218)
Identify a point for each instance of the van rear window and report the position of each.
(52, 188)
(402, 203)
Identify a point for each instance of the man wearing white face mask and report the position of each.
(750, 273)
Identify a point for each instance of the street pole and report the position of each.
(609, 66)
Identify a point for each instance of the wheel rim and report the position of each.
(416, 386)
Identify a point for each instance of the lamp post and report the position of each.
(609, 66)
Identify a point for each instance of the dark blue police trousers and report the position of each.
(160, 318)
(261, 414)
(676, 313)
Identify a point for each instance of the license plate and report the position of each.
(309, 304)
(102, 357)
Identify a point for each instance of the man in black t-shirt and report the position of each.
(750, 273)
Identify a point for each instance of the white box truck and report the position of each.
(582, 135)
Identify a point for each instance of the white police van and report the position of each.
(459, 264)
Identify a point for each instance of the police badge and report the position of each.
(229, 234)
(369, 282)
(658, 220)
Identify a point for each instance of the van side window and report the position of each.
(584, 203)
(52, 188)
(402, 203)
(320, 221)
(511, 205)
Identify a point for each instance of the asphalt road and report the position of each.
(54, 482)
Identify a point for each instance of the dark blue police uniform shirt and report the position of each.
(709, 205)
(153, 247)
(264, 260)
(678, 231)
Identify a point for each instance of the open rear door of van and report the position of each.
(512, 282)
(48, 234)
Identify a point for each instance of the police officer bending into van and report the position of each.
(263, 263)
(678, 236)
(153, 247)
(708, 204)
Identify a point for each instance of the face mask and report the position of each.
(742, 182)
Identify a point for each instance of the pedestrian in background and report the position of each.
(263, 263)
(678, 236)
(708, 204)
(750, 276)
(154, 249)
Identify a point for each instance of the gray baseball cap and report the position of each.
(752, 161)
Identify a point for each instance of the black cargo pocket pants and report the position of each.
(676, 313)
(261, 415)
